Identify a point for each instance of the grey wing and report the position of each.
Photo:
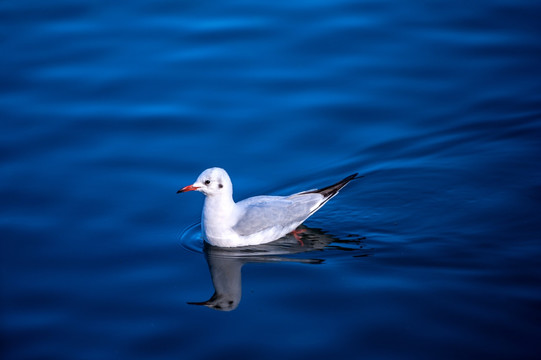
(263, 212)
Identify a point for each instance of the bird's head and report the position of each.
(213, 181)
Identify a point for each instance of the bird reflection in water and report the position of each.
(225, 264)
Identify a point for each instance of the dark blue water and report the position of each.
(107, 109)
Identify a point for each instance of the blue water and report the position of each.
(107, 109)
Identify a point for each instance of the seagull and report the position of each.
(255, 220)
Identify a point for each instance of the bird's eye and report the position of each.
(220, 186)
(207, 182)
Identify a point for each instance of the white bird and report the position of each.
(256, 220)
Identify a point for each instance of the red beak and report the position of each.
(187, 188)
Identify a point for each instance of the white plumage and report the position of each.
(256, 220)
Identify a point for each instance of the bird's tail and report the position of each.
(330, 191)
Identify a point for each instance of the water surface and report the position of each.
(108, 109)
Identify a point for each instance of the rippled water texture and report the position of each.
(107, 109)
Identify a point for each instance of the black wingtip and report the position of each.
(350, 178)
(332, 190)
(353, 177)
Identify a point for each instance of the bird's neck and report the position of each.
(219, 213)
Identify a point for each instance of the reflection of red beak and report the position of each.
(187, 188)
(205, 303)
